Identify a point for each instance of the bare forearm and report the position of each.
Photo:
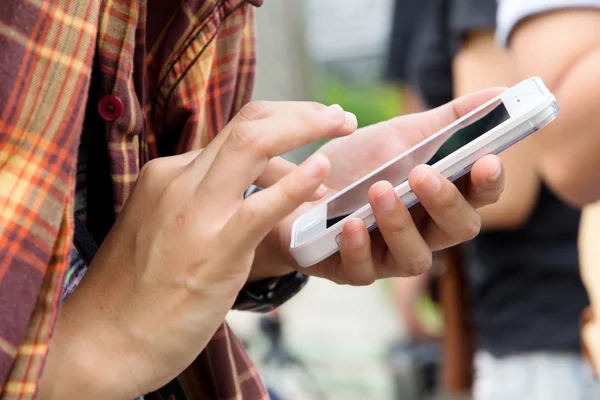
(570, 149)
(564, 49)
(83, 363)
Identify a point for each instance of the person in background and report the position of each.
(522, 272)
(559, 40)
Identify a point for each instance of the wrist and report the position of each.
(266, 271)
(269, 262)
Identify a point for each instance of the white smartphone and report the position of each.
(491, 128)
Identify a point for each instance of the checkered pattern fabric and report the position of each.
(182, 70)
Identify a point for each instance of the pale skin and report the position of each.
(186, 241)
(563, 48)
(479, 64)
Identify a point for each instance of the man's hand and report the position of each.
(179, 253)
(404, 242)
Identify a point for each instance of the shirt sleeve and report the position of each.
(46, 52)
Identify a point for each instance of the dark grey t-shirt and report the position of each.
(525, 288)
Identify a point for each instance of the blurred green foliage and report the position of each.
(370, 103)
(430, 314)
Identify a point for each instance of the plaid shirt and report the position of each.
(175, 72)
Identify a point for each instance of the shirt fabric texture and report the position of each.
(182, 70)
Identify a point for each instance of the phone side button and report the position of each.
(369, 221)
(338, 239)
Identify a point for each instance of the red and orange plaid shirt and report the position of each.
(168, 76)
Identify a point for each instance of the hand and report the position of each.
(403, 244)
(179, 253)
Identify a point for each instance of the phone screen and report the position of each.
(427, 152)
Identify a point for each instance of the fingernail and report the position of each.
(321, 191)
(496, 174)
(386, 200)
(350, 121)
(429, 182)
(334, 111)
(312, 167)
(355, 238)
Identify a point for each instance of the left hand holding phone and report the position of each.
(403, 244)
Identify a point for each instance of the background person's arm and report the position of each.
(479, 64)
(589, 254)
(563, 48)
(407, 292)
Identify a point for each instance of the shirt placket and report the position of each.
(119, 105)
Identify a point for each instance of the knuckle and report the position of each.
(151, 170)
(255, 216)
(473, 229)
(495, 195)
(180, 218)
(360, 280)
(329, 124)
(485, 196)
(256, 110)
(307, 118)
(320, 122)
(400, 223)
(251, 212)
(467, 230)
(244, 136)
(448, 197)
(420, 264)
(317, 106)
(154, 176)
(290, 191)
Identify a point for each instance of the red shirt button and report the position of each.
(110, 107)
